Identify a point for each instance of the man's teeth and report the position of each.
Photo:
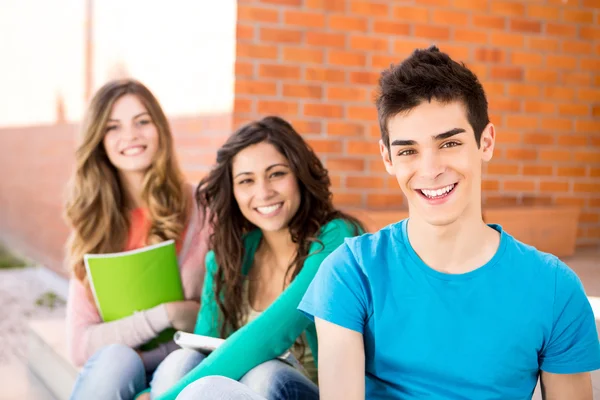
(132, 151)
(437, 192)
(268, 209)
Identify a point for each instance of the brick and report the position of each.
(324, 75)
(564, 62)
(569, 201)
(586, 187)
(491, 55)
(480, 70)
(562, 30)
(346, 93)
(546, 13)
(325, 145)
(508, 137)
(576, 47)
(541, 107)
(326, 5)
(519, 185)
(543, 44)
(345, 129)
(576, 78)
(596, 111)
(523, 90)
(375, 131)
(303, 91)
(572, 140)
(403, 47)
(295, 3)
(376, 166)
(303, 55)
(574, 109)
(304, 19)
(578, 16)
(507, 8)
(458, 53)
(494, 88)
(345, 164)
(504, 104)
(365, 182)
(277, 107)
(500, 200)
(551, 186)
(541, 75)
(323, 110)
(242, 106)
(489, 21)
(277, 71)
(368, 43)
(432, 32)
(384, 200)
(474, 5)
(246, 50)
(521, 154)
(364, 78)
(527, 59)
(588, 156)
(574, 172)
(470, 36)
(559, 93)
(306, 126)
(438, 3)
(347, 199)
(557, 124)
(337, 40)
(244, 32)
(243, 69)
(362, 147)
(344, 23)
(336, 181)
(595, 172)
(507, 39)
(347, 58)
(454, 18)
(590, 95)
(383, 61)
(590, 64)
(490, 185)
(362, 113)
(536, 200)
(537, 170)
(256, 14)
(525, 25)
(538, 138)
(591, 4)
(589, 217)
(280, 35)
(255, 87)
(370, 8)
(391, 28)
(502, 169)
(506, 73)
(554, 155)
(411, 14)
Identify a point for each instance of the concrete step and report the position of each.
(47, 357)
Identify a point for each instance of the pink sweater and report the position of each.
(86, 333)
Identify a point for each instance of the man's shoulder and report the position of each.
(368, 248)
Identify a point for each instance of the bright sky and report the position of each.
(184, 52)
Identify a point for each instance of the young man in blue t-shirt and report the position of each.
(442, 305)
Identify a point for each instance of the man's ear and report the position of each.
(487, 142)
(386, 157)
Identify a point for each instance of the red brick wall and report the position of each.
(316, 62)
(35, 165)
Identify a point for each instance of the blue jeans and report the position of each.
(272, 380)
(116, 372)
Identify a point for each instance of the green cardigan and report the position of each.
(276, 329)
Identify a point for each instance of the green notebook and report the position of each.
(130, 281)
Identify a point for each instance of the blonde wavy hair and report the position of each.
(96, 206)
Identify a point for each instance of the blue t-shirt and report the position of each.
(484, 334)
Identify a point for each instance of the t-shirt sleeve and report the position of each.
(339, 293)
(573, 345)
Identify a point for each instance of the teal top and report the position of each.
(276, 329)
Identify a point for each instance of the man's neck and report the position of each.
(132, 185)
(462, 246)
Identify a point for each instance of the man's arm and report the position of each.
(341, 362)
(566, 386)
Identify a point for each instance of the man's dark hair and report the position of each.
(430, 74)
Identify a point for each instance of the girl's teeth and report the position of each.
(133, 151)
(269, 209)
